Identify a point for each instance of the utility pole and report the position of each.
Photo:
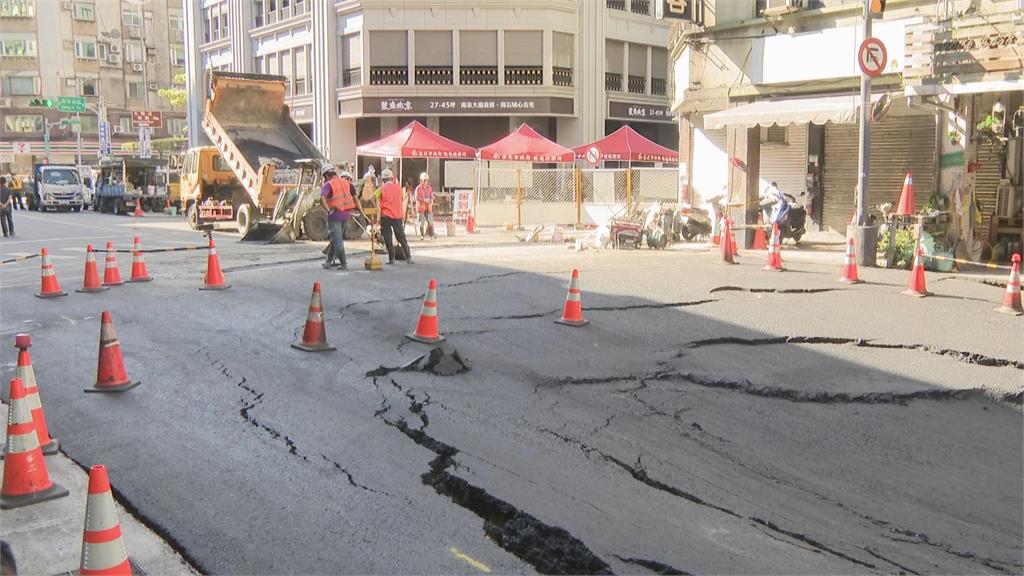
(864, 235)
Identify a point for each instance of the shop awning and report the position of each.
(627, 145)
(526, 145)
(416, 141)
(835, 109)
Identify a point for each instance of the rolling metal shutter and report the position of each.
(786, 164)
(898, 144)
(986, 184)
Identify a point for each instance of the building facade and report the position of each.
(117, 54)
(769, 91)
(358, 70)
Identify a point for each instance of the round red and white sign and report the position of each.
(593, 155)
(872, 57)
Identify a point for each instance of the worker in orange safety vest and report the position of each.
(336, 197)
(392, 214)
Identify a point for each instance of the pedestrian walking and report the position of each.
(425, 206)
(392, 216)
(336, 197)
(6, 207)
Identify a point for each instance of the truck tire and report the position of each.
(353, 230)
(120, 207)
(192, 216)
(314, 225)
(243, 219)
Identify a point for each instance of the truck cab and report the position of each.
(210, 193)
(56, 186)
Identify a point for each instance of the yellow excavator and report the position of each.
(275, 193)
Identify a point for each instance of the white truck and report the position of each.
(56, 186)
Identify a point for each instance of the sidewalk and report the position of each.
(47, 538)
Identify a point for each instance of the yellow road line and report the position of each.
(471, 561)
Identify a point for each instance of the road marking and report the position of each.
(51, 240)
(468, 560)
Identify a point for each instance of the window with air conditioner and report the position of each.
(114, 59)
(132, 52)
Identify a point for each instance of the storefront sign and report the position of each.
(630, 111)
(989, 47)
(147, 118)
(303, 113)
(461, 204)
(457, 105)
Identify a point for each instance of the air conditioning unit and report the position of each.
(153, 86)
(115, 129)
(134, 32)
(114, 58)
(782, 7)
(1006, 201)
(5, 103)
(115, 48)
(67, 5)
(136, 67)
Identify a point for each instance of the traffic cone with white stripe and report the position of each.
(716, 231)
(426, 328)
(774, 262)
(760, 242)
(314, 336)
(27, 375)
(725, 244)
(572, 312)
(91, 280)
(214, 279)
(850, 265)
(49, 286)
(139, 271)
(110, 373)
(26, 479)
(917, 287)
(111, 274)
(1011, 299)
(138, 209)
(732, 239)
(103, 549)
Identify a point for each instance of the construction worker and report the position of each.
(392, 215)
(425, 206)
(336, 197)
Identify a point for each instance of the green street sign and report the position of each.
(41, 103)
(71, 104)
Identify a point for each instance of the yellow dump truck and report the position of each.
(274, 187)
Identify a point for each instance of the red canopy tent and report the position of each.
(525, 145)
(416, 141)
(627, 145)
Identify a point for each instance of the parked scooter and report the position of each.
(791, 220)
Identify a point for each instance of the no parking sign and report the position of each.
(593, 155)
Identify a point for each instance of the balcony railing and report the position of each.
(389, 75)
(616, 4)
(561, 76)
(637, 85)
(524, 75)
(613, 82)
(478, 75)
(659, 86)
(351, 77)
(434, 75)
(640, 7)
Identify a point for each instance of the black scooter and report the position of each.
(792, 224)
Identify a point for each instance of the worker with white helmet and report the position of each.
(336, 197)
(392, 214)
(425, 206)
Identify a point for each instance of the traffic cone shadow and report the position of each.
(49, 285)
(26, 479)
(314, 336)
(426, 327)
(91, 280)
(572, 311)
(110, 372)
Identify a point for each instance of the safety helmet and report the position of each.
(424, 176)
(387, 174)
(327, 168)
(346, 174)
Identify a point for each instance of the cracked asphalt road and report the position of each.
(709, 420)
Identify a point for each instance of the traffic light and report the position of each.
(877, 7)
(41, 103)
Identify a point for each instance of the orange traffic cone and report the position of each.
(572, 312)
(906, 205)
(1011, 299)
(138, 209)
(91, 281)
(774, 262)
(426, 328)
(49, 286)
(716, 233)
(214, 279)
(470, 224)
(26, 479)
(917, 287)
(724, 243)
(27, 375)
(760, 242)
(139, 271)
(732, 239)
(103, 549)
(314, 337)
(111, 274)
(850, 265)
(110, 373)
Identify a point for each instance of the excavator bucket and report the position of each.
(270, 233)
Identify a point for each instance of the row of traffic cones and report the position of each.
(50, 286)
(27, 481)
